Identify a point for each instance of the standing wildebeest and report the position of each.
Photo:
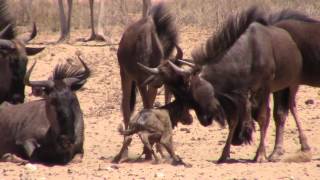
(155, 126)
(245, 59)
(305, 32)
(13, 58)
(50, 129)
(148, 41)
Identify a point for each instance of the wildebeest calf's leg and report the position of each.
(126, 142)
(144, 136)
(263, 121)
(302, 137)
(166, 141)
(148, 97)
(13, 159)
(280, 112)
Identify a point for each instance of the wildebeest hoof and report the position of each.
(275, 157)
(223, 160)
(13, 159)
(116, 160)
(260, 159)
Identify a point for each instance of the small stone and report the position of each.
(318, 165)
(309, 102)
(185, 130)
(114, 167)
(31, 167)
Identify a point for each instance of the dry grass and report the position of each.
(204, 13)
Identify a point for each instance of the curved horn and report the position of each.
(4, 32)
(179, 54)
(27, 81)
(186, 63)
(149, 70)
(178, 69)
(7, 44)
(25, 38)
(148, 80)
(84, 75)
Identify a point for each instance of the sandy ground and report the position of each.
(100, 102)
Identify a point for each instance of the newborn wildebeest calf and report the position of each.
(50, 129)
(155, 126)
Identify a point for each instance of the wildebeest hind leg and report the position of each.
(144, 136)
(302, 137)
(124, 149)
(280, 113)
(263, 121)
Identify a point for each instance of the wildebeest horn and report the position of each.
(186, 63)
(179, 54)
(148, 80)
(84, 75)
(5, 31)
(48, 84)
(149, 69)
(178, 69)
(7, 44)
(25, 38)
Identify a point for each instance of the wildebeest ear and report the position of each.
(33, 51)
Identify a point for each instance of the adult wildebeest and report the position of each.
(47, 130)
(148, 41)
(305, 32)
(246, 59)
(155, 126)
(13, 58)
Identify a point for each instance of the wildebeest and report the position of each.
(305, 32)
(49, 130)
(148, 41)
(246, 59)
(13, 58)
(155, 126)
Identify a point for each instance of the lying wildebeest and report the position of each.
(155, 126)
(149, 41)
(246, 58)
(305, 32)
(13, 58)
(47, 130)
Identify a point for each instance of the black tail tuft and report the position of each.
(243, 133)
(165, 27)
(133, 96)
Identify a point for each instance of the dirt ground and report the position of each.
(100, 101)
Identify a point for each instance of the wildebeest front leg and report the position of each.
(263, 121)
(226, 150)
(126, 142)
(167, 95)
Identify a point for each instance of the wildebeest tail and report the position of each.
(127, 132)
(133, 96)
(243, 133)
(165, 27)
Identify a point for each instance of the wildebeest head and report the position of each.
(61, 101)
(13, 59)
(189, 87)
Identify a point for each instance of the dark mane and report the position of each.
(62, 71)
(165, 27)
(234, 27)
(289, 15)
(5, 19)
